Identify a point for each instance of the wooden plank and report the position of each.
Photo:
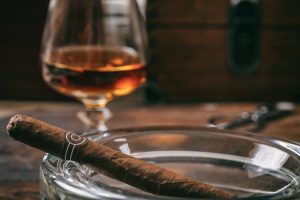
(192, 65)
(281, 12)
(197, 12)
(280, 48)
(25, 190)
(187, 11)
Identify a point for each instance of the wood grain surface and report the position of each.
(215, 12)
(19, 164)
(189, 52)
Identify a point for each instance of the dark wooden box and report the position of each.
(191, 46)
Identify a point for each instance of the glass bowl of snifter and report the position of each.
(251, 166)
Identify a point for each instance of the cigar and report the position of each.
(135, 172)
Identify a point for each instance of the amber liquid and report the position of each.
(92, 72)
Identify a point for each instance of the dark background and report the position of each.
(188, 52)
(20, 37)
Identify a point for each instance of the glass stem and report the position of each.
(94, 117)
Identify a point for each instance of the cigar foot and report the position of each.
(13, 123)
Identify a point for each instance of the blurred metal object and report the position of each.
(257, 119)
(244, 36)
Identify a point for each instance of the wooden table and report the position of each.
(19, 164)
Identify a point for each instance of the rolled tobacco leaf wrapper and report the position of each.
(135, 172)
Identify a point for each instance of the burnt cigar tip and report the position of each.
(13, 123)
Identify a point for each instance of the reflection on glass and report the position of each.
(268, 158)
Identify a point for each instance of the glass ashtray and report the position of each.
(249, 165)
